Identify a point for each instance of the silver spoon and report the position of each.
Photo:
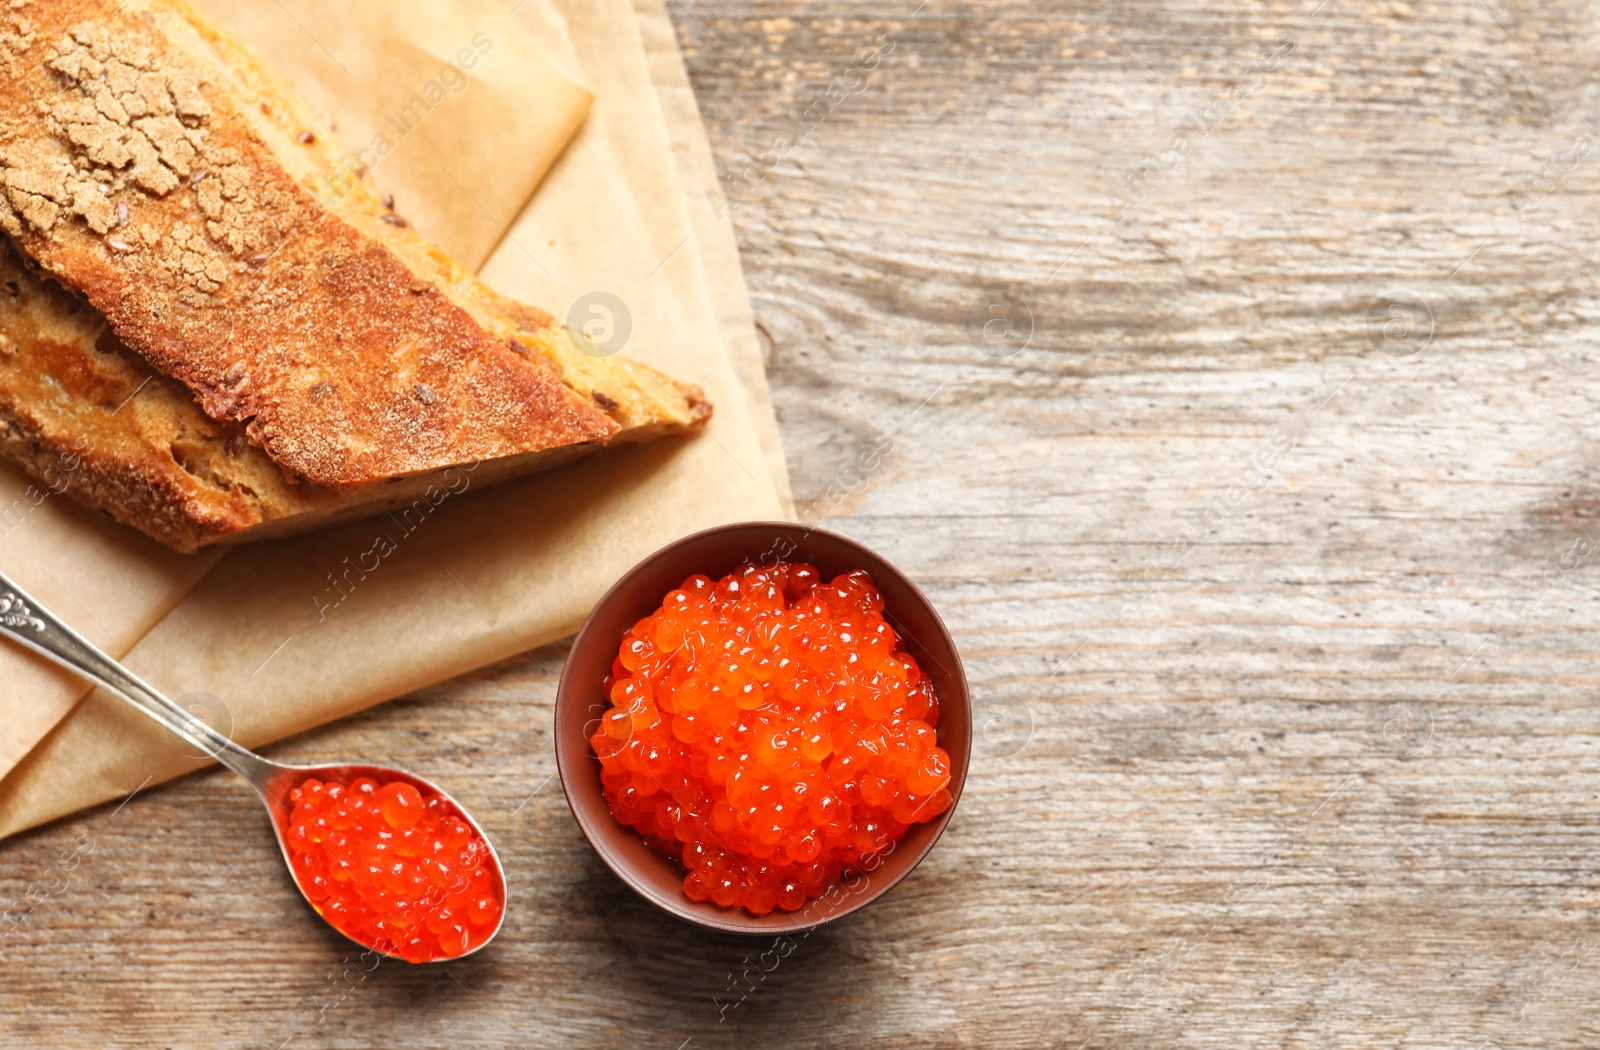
(25, 620)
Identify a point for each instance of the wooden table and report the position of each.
(1237, 364)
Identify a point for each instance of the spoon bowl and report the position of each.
(283, 778)
(25, 621)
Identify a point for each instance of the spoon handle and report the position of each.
(24, 620)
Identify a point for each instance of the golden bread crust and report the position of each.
(93, 421)
(132, 171)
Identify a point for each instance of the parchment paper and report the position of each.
(713, 231)
(487, 573)
(455, 108)
(109, 583)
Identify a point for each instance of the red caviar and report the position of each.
(769, 731)
(392, 868)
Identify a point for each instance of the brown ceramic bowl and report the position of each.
(716, 552)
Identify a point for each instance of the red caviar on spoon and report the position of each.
(393, 869)
(385, 857)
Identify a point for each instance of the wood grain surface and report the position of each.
(1239, 367)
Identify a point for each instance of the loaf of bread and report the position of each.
(225, 352)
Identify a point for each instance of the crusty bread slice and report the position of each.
(303, 355)
(93, 421)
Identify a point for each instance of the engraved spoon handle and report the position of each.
(25, 620)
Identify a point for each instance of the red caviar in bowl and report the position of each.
(769, 731)
(393, 868)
